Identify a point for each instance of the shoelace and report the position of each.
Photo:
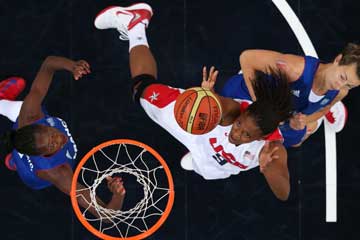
(123, 33)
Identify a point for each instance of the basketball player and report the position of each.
(237, 143)
(42, 149)
(317, 88)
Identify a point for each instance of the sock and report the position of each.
(137, 36)
(10, 109)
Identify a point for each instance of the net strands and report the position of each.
(136, 217)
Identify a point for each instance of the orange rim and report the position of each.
(169, 204)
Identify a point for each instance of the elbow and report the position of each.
(283, 197)
(244, 55)
(48, 61)
(284, 194)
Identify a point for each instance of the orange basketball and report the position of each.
(197, 110)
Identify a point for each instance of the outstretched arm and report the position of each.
(263, 60)
(230, 108)
(61, 177)
(273, 164)
(31, 108)
(315, 116)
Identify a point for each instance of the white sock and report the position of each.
(137, 36)
(10, 109)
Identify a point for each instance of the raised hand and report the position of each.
(267, 155)
(80, 69)
(208, 82)
(116, 186)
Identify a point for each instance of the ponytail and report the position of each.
(22, 140)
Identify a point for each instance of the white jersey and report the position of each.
(214, 157)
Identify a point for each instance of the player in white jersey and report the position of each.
(238, 142)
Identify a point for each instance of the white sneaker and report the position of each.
(123, 18)
(186, 162)
(336, 117)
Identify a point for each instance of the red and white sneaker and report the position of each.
(11, 87)
(9, 163)
(336, 117)
(123, 18)
(186, 162)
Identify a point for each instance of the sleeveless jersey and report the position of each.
(27, 166)
(214, 157)
(235, 87)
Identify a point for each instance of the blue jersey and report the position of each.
(27, 166)
(235, 87)
(301, 89)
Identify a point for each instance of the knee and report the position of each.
(140, 83)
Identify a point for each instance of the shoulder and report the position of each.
(343, 92)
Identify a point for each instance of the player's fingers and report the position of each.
(204, 72)
(213, 79)
(212, 69)
(82, 68)
(86, 64)
(274, 150)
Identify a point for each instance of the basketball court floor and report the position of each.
(184, 36)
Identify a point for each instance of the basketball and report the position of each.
(197, 110)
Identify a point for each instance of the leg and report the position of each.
(131, 23)
(10, 88)
(142, 62)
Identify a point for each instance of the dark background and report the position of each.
(184, 36)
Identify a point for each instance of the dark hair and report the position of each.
(273, 100)
(22, 139)
(350, 55)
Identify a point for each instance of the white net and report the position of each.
(147, 172)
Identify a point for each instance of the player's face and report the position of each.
(342, 76)
(244, 130)
(50, 140)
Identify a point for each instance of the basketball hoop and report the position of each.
(134, 160)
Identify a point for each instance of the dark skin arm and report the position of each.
(273, 165)
(31, 107)
(61, 177)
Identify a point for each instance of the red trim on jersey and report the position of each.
(274, 136)
(244, 105)
(160, 95)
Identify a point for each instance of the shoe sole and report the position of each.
(9, 82)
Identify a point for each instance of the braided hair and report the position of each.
(273, 100)
(22, 139)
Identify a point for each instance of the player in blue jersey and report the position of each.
(41, 148)
(317, 87)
